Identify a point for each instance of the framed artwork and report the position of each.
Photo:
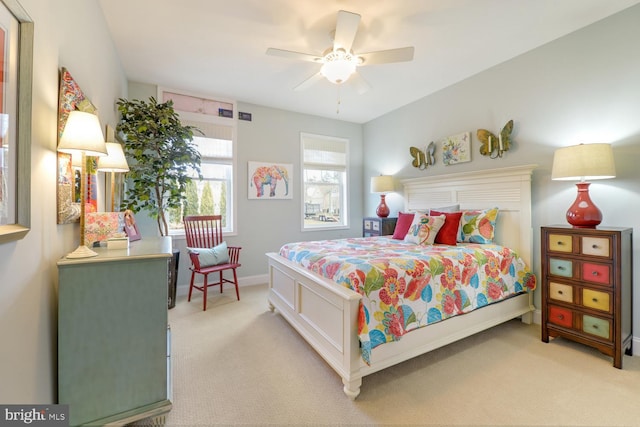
(16, 69)
(72, 98)
(456, 149)
(130, 226)
(270, 181)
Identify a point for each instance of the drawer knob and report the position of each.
(560, 243)
(595, 326)
(594, 246)
(560, 316)
(594, 299)
(561, 267)
(559, 292)
(595, 273)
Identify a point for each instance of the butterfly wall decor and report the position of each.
(489, 143)
(422, 159)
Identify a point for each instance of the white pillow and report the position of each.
(424, 229)
(212, 256)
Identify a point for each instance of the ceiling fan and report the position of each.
(339, 62)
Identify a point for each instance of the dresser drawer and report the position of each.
(560, 316)
(561, 267)
(596, 326)
(596, 246)
(561, 292)
(596, 273)
(597, 300)
(560, 243)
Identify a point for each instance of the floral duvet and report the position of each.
(406, 286)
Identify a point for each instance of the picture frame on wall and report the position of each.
(456, 148)
(270, 181)
(16, 50)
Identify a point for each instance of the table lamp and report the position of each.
(382, 184)
(583, 162)
(82, 134)
(113, 162)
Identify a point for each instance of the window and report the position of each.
(324, 181)
(213, 194)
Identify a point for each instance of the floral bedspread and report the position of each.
(406, 286)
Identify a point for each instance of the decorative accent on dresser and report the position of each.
(114, 347)
(587, 289)
(374, 226)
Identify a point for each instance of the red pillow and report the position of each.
(448, 234)
(402, 225)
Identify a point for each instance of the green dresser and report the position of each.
(114, 358)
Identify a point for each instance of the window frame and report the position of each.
(231, 122)
(345, 208)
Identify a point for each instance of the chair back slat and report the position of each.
(203, 231)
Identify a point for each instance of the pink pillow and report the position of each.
(402, 225)
(448, 234)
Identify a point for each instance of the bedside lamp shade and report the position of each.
(82, 134)
(382, 184)
(114, 161)
(580, 163)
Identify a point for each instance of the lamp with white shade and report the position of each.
(581, 163)
(382, 184)
(113, 162)
(82, 134)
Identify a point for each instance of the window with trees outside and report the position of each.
(214, 193)
(325, 176)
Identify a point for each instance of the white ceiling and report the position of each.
(217, 47)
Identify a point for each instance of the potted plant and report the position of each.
(162, 158)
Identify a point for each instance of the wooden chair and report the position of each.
(205, 231)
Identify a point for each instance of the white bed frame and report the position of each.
(326, 314)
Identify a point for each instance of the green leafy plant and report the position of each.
(162, 158)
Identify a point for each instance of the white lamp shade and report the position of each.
(583, 162)
(382, 184)
(114, 161)
(82, 133)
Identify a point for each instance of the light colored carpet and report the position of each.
(239, 364)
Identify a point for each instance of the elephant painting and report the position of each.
(269, 175)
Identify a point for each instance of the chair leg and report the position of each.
(204, 289)
(221, 281)
(193, 273)
(235, 280)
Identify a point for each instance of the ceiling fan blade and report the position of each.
(386, 56)
(359, 83)
(346, 28)
(294, 55)
(309, 82)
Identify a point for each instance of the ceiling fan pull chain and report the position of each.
(338, 101)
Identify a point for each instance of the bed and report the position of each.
(327, 315)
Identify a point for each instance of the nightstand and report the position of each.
(376, 226)
(587, 293)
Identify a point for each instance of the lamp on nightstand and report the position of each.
(382, 184)
(82, 134)
(583, 162)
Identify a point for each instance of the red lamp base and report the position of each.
(383, 209)
(583, 213)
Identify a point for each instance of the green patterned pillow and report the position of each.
(478, 226)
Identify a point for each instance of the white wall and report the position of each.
(70, 34)
(584, 87)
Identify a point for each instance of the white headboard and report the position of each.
(508, 188)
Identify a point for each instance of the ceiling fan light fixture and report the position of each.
(338, 66)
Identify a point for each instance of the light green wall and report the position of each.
(584, 87)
